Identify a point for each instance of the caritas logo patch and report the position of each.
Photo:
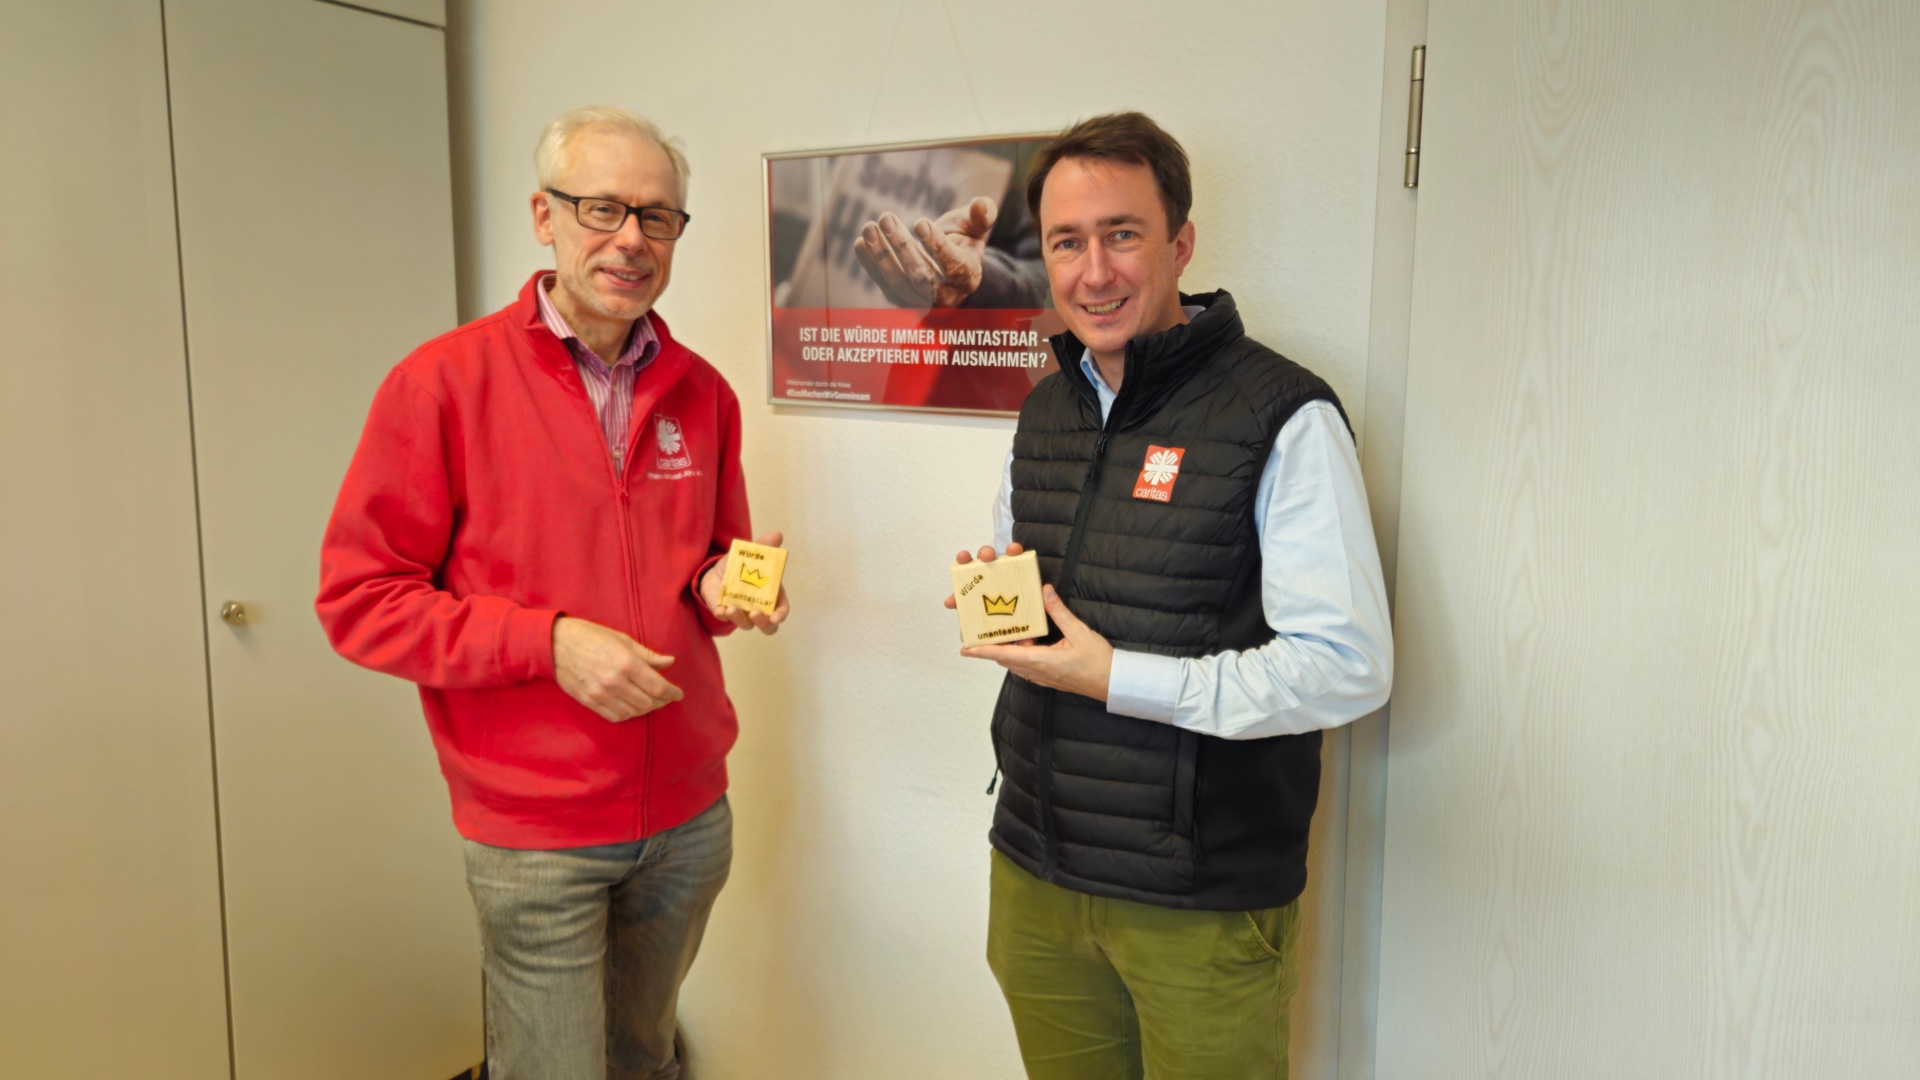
(671, 442)
(1157, 475)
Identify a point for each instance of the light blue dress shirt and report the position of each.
(1331, 661)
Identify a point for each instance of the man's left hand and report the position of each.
(767, 622)
(1081, 662)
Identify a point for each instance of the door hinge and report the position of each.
(1416, 99)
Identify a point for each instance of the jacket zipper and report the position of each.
(617, 472)
(624, 470)
(633, 604)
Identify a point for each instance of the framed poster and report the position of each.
(906, 277)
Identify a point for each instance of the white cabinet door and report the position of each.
(316, 238)
(109, 887)
(1652, 805)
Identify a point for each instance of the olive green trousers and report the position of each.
(1106, 989)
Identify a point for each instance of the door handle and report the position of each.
(233, 613)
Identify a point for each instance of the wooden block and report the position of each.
(753, 576)
(1000, 601)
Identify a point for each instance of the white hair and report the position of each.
(551, 155)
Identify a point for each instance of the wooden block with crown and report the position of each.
(1000, 601)
(752, 580)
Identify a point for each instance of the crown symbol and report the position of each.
(1000, 605)
(752, 576)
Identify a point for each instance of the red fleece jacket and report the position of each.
(481, 504)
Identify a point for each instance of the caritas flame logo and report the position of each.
(671, 443)
(1157, 475)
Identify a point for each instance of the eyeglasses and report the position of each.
(608, 215)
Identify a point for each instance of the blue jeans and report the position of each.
(584, 949)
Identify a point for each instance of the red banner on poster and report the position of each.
(945, 358)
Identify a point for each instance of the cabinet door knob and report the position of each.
(234, 613)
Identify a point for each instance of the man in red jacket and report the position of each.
(533, 529)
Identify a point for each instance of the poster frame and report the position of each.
(767, 158)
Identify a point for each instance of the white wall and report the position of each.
(850, 942)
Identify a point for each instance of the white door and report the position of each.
(110, 959)
(316, 236)
(1652, 803)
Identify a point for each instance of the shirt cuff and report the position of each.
(1145, 686)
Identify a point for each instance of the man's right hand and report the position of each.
(985, 555)
(609, 672)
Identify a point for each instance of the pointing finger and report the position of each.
(658, 689)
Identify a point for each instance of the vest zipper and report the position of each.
(1068, 567)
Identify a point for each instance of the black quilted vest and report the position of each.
(1111, 805)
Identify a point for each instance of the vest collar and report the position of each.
(1157, 364)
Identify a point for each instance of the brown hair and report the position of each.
(1128, 137)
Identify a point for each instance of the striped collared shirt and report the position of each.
(610, 388)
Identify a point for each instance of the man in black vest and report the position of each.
(1196, 503)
